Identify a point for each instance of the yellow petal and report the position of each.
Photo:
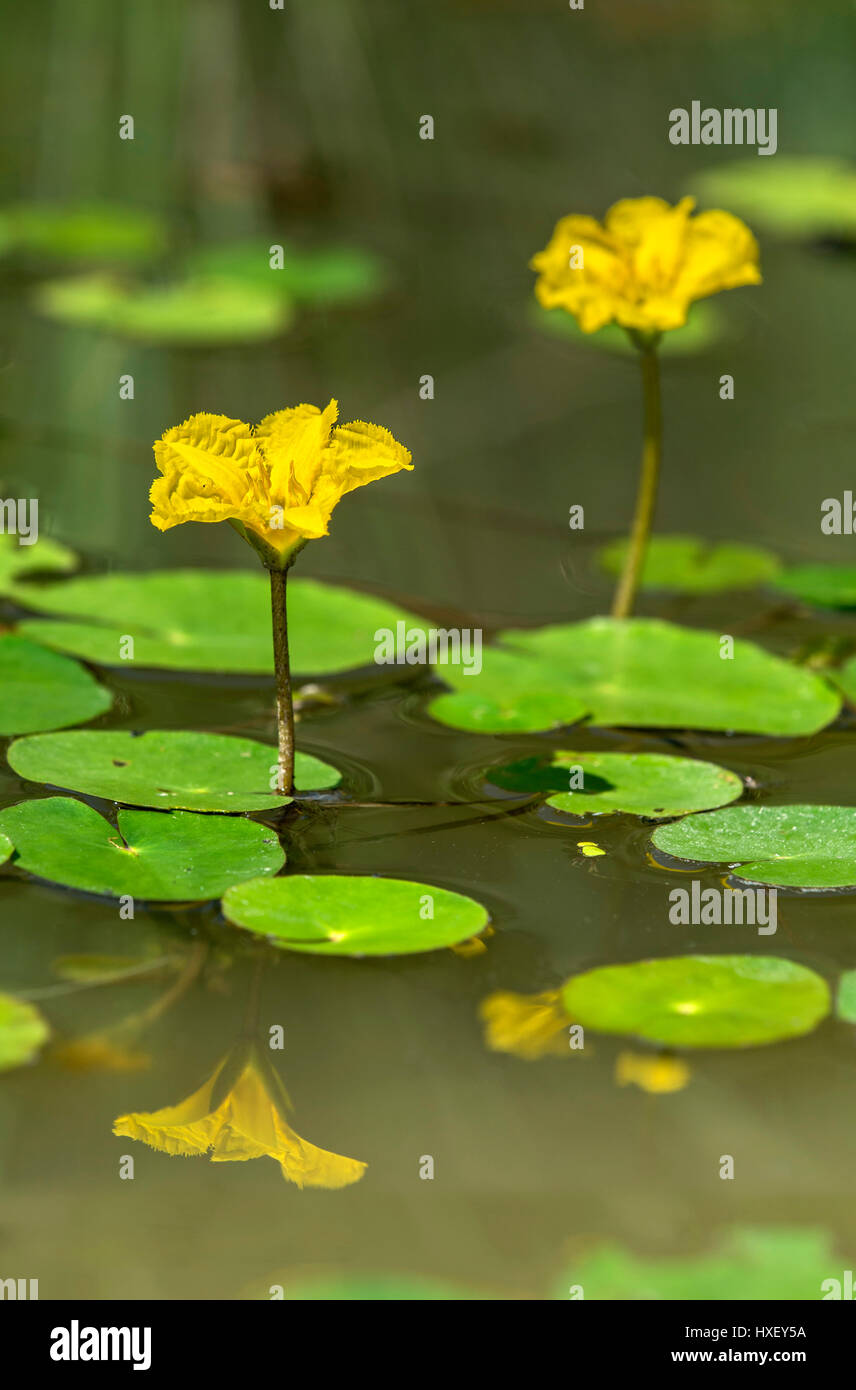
(188, 1128)
(293, 441)
(658, 1075)
(526, 1025)
(361, 453)
(210, 467)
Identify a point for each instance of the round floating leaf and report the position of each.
(796, 196)
(785, 846)
(171, 857)
(6, 848)
(298, 1286)
(167, 769)
(845, 1006)
(22, 1032)
(42, 690)
(644, 784)
(209, 620)
(349, 915)
(704, 327)
(83, 232)
(331, 275)
(189, 312)
(637, 671)
(823, 586)
(700, 1001)
(44, 557)
(692, 566)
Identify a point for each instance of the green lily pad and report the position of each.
(156, 857)
(328, 275)
(796, 196)
(186, 312)
(822, 586)
(772, 1263)
(643, 784)
(82, 231)
(167, 769)
(298, 1286)
(43, 690)
(845, 1004)
(6, 848)
(45, 557)
(700, 1001)
(637, 671)
(688, 565)
(784, 846)
(22, 1032)
(353, 915)
(705, 326)
(208, 620)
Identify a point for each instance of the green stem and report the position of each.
(284, 704)
(625, 593)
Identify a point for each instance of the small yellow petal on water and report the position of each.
(658, 1075)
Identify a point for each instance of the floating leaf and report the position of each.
(167, 769)
(643, 784)
(42, 690)
(209, 620)
(44, 557)
(797, 196)
(692, 566)
(158, 857)
(823, 586)
(82, 231)
(846, 1002)
(705, 326)
(785, 846)
(188, 312)
(330, 275)
(298, 1286)
(766, 1264)
(6, 848)
(351, 915)
(637, 671)
(700, 1001)
(22, 1032)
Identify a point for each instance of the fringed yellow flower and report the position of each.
(236, 1116)
(644, 265)
(277, 483)
(659, 1075)
(526, 1025)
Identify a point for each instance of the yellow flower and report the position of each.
(235, 1115)
(527, 1025)
(278, 483)
(658, 1074)
(645, 265)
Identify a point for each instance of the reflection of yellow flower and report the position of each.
(527, 1025)
(645, 265)
(99, 1052)
(656, 1074)
(235, 1115)
(279, 481)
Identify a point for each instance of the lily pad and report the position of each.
(705, 326)
(822, 586)
(44, 557)
(637, 671)
(166, 769)
(185, 312)
(644, 784)
(22, 1032)
(43, 690)
(82, 231)
(700, 1001)
(156, 857)
(354, 915)
(326, 275)
(6, 848)
(688, 565)
(784, 846)
(845, 1005)
(797, 196)
(208, 620)
(301, 1286)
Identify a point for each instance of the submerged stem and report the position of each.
(284, 703)
(625, 593)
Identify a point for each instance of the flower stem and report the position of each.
(284, 704)
(646, 499)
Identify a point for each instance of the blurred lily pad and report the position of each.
(298, 1286)
(166, 769)
(705, 326)
(157, 857)
(845, 1005)
(186, 312)
(765, 1263)
(353, 915)
(22, 1032)
(700, 1001)
(327, 275)
(644, 784)
(95, 969)
(19, 561)
(208, 620)
(796, 196)
(692, 566)
(785, 846)
(40, 689)
(822, 586)
(637, 671)
(81, 231)
(6, 848)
